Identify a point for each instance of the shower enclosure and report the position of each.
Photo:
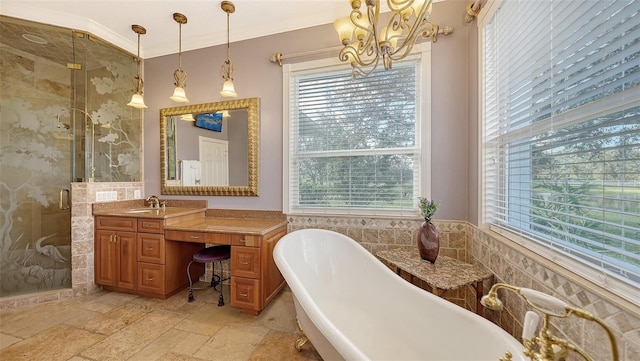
(63, 119)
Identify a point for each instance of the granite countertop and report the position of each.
(445, 274)
(212, 221)
(251, 226)
(140, 209)
(155, 213)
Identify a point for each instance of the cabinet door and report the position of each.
(127, 265)
(106, 258)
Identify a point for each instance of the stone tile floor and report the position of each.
(117, 326)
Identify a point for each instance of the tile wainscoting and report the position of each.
(508, 263)
(82, 196)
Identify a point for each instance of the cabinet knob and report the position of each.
(150, 279)
(244, 263)
(244, 294)
(195, 237)
(149, 249)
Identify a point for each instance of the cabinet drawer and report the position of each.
(245, 240)
(217, 238)
(151, 248)
(151, 225)
(185, 236)
(151, 278)
(245, 262)
(245, 293)
(125, 224)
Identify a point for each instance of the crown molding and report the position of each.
(70, 21)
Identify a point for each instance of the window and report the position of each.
(561, 131)
(355, 146)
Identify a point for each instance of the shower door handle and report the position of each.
(64, 201)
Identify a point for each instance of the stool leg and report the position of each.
(214, 282)
(221, 298)
(191, 298)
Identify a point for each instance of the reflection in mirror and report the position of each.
(210, 149)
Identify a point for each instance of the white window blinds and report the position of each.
(561, 128)
(354, 145)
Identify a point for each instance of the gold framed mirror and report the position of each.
(210, 149)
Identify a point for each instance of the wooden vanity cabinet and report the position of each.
(255, 278)
(131, 256)
(115, 252)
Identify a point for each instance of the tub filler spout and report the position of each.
(546, 346)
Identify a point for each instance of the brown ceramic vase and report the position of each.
(428, 241)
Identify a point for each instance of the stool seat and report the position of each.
(211, 254)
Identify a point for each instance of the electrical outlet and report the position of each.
(106, 196)
(112, 196)
(136, 194)
(101, 196)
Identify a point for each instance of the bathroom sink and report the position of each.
(139, 210)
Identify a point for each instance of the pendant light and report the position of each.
(228, 89)
(136, 100)
(179, 95)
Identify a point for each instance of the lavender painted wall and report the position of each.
(255, 76)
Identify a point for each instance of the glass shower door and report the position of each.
(36, 148)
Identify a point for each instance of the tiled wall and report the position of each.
(82, 195)
(509, 264)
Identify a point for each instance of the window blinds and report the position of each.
(354, 144)
(561, 131)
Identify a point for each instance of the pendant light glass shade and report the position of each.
(179, 95)
(228, 90)
(187, 117)
(180, 76)
(136, 100)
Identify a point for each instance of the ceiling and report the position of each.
(206, 25)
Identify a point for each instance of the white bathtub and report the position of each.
(352, 307)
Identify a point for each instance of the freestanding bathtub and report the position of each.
(352, 307)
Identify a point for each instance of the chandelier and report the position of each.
(409, 20)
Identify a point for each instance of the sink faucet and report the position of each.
(154, 201)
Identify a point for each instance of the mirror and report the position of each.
(210, 149)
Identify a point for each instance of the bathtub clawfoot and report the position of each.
(302, 339)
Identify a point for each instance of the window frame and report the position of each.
(587, 272)
(421, 52)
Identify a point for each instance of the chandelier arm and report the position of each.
(350, 52)
(399, 5)
(427, 30)
(373, 16)
(358, 69)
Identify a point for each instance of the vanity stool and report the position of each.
(211, 255)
